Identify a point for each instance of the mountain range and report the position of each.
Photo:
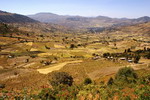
(52, 23)
(80, 22)
(29, 25)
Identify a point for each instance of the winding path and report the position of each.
(56, 67)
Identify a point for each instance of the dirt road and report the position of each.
(56, 67)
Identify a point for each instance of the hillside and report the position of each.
(138, 30)
(31, 28)
(14, 18)
(41, 28)
(79, 22)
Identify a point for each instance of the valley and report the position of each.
(31, 52)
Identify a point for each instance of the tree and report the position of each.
(145, 48)
(106, 55)
(128, 50)
(115, 44)
(87, 81)
(125, 51)
(126, 74)
(63, 78)
(72, 46)
(4, 29)
(110, 81)
(136, 59)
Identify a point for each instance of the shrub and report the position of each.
(110, 81)
(147, 56)
(143, 92)
(72, 46)
(106, 55)
(61, 78)
(145, 79)
(65, 92)
(4, 29)
(2, 86)
(126, 74)
(47, 94)
(87, 81)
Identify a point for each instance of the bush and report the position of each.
(105, 55)
(147, 56)
(65, 92)
(126, 74)
(87, 81)
(110, 81)
(2, 86)
(143, 92)
(47, 94)
(61, 78)
(72, 46)
(4, 29)
(145, 79)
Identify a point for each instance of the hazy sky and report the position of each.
(111, 8)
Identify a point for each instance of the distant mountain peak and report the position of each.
(102, 17)
(45, 13)
(143, 19)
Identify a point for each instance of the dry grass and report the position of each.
(94, 69)
(89, 67)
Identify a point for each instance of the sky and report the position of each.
(91, 8)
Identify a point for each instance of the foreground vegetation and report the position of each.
(125, 85)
